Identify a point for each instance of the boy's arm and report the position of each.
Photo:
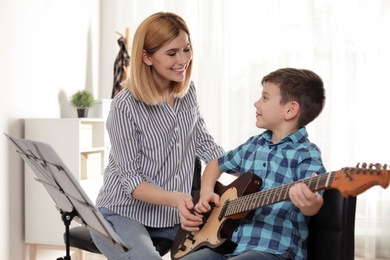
(191, 221)
(210, 177)
(307, 201)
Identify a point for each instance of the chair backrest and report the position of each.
(332, 229)
(197, 176)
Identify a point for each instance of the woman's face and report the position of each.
(170, 62)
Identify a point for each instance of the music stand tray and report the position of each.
(70, 198)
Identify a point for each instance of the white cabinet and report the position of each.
(83, 146)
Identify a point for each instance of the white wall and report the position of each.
(48, 50)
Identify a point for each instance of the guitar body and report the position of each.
(216, 231)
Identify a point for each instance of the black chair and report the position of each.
(332, 229)
(80, 237)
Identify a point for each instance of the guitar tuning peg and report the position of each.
(357, 165)
(385, 166)
(378, 166)
(364, 165)
(371, 165)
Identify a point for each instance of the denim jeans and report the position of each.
(209, 254)
(133, 234)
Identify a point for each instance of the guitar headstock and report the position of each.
(352, 181)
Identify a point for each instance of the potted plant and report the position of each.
(82, 100)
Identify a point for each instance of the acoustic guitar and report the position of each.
(240, 198)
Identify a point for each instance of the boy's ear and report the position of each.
(146, 58)
(292, 110)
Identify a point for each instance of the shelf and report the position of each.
(92, 150)
(43, 224)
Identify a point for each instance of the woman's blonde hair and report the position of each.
(154, 32)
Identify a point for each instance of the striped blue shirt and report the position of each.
(279, 228)
(156, 144)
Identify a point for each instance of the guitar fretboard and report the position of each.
(267, 197)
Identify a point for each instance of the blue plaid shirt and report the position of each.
(279, 228)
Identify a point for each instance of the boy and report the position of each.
(291, 98)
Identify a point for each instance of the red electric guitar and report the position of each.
(241, 198)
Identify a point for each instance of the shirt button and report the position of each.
(264, 164)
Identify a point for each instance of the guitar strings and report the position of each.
(270, 196)
(262, 198)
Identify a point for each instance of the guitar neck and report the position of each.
(274, 195)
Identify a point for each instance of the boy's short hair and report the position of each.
(300, 85)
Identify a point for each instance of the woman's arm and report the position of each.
(149, 193)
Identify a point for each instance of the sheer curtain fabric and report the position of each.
(346, 42)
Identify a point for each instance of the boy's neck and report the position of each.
(278, 134)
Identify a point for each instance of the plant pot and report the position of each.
(82, 112)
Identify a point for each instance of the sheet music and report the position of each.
(63, 187)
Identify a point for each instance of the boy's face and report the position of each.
(269, 111)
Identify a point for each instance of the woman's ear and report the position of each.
(292, 110)
(146, 58)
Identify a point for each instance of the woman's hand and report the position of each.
(192, 216)
(189, 219)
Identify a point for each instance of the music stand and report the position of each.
(71, 200)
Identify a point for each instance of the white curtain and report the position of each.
(347, 43)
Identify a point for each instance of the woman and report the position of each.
(155, 131)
